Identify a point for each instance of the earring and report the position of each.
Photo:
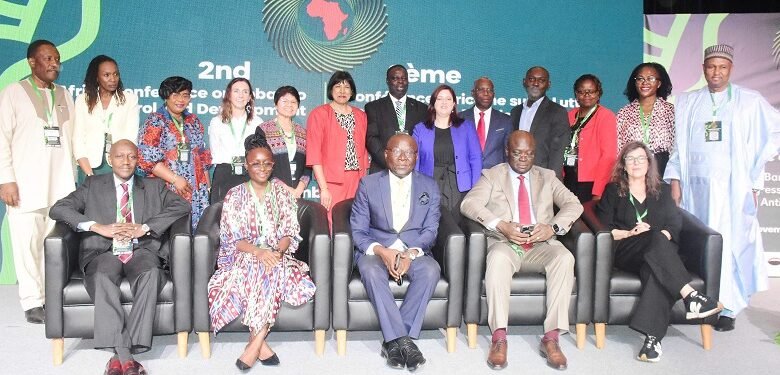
(248, 108)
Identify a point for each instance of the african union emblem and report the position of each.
(325, 35)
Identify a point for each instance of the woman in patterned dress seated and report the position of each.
(256, 270)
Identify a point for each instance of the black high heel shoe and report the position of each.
(242, 366)
(270, 361)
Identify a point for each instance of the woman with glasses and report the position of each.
(648, 117)
(336, 139)
(104, 115)
(227, 132)
(590, 155)
(172, 146)
(288, 142)
(645, 222)
(256, 269)
(448, 149)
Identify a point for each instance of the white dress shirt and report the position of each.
(400, 198)
(528, 114)
(487, 119)
(85, 226)
(223, 145)
(515, 192)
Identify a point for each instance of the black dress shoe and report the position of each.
(724, 324)
(412, 355)
(35, 315)
(242, 366)
(270, 361)
(391, 350)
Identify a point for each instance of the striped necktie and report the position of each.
(127, 215)
(400, 115)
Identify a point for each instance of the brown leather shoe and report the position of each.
(552, 351)
(497, 357)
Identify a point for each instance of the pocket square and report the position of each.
(424, 198)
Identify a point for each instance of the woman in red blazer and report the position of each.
(336, 142)
(590, 155)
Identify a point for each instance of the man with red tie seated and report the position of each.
(121, 218)
(395, 219)
(514, 202)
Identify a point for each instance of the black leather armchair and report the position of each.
(617, 292)
(70, 311)
(353, 311)
(528, 289)
(314, 249)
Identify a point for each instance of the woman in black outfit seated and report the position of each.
(646, 224)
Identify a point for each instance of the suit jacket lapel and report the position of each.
(509, 192)
(108, 213)
(536, 183)
(537, 117)
(415, 193)
(387, 202)
(139, 200)
(410, 108)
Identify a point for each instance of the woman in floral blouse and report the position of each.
(171, 146)
(256, 270)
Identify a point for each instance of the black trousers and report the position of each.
(655, 259)
(583, 190)
(102, 277)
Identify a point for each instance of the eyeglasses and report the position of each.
(587, 92)
(484, 90)
(635, 159)
(287, 102)
(184, 95)
(521, 154)
(264, 166)
(649, 79)
(397, 153)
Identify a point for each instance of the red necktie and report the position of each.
(127, 215)
(481, 130)
(524, 206)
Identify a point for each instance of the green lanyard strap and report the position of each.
(645, 124)
(579, 125)
(716, 107)
(639, 216)
(260, 209)
(180, 127)
(50, 107)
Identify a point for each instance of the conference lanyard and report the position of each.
(639, 216)
(237, 140)
(716, 107)
(260, 213)
(180, 127)
(645, 124)
(579, 125)
(50, 108)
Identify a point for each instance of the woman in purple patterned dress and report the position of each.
(256, 270)
(171, 146)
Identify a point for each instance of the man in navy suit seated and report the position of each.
(393, 234)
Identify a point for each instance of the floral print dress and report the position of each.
(242, 284)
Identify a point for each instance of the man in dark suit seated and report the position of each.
(514, 202)
(545, 119)
(394, 113)
(394, 232)
(493, 126)
(121, 218)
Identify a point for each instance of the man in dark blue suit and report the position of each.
(494, 124)
(394, 233)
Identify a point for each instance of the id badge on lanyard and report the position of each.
(237, 163)
(183, 151)
(51, 136)
(108, 144)
(713, 131)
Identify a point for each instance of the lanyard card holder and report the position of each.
(713, 131)
(51, 136)
(570, 157)
(121, 247)
(238, 165)
(108, 143)
(183, 152)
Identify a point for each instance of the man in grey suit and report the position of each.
(545, 119)
(394, 232)
(394, 113)
(121, 218)
(493, 126)
(514, 202)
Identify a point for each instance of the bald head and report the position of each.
(520, 149)
(401, 154)
(123, 158)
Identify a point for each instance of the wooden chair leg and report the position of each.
(319, 342)
(471, 331)
(58, 350)
(182, 339)
(582, 333)
(341, 342)
(452, 334)
(205, 344)
(706, 336)
(601, 334)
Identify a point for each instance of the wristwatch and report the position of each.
(558, 230)
(146, 229)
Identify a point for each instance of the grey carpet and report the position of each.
(747, 350)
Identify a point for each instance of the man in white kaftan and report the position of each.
(725, 136)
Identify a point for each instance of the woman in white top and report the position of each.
(104, 114)
(227, 132)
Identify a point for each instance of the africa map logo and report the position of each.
(325, 35)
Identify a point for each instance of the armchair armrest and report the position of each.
(343, 255)
(319, 259)
(180, 258)
(450, 252)
(701, 248)
(205, 248)
(475, 269)
(604, 256)
(61, 258)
